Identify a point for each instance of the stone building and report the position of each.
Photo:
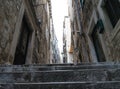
(95, 30)
(25, 31)
(44, 15)
(55, 53)
(67, 44)
(64, 54)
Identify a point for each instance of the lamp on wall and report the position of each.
(100, 26)
(39, 21)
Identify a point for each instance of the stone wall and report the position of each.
(41, 48)
(84, 47)
(115, 47)
(9, 10)
(109, 38)
(87, 13)
(85, 19)
(11, 18)
(81, 50)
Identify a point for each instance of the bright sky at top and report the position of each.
(59, 10)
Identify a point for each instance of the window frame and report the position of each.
(109, 29)
(111, 12)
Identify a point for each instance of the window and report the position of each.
(82, 3)
(113, 10)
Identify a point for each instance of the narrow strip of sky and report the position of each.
(59, 10)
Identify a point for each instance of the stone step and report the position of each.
(64, 85)
(62, 64)
(61, 76)
(45, 68)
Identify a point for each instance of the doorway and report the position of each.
(22, 45)
(98, 45)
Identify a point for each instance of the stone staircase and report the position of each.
(60, 76)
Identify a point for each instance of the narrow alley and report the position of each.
(42, 49)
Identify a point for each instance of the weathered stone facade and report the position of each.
(16, 15)
(96, 39)
(43, 13)
(9, 11)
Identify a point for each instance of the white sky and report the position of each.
(59, 10)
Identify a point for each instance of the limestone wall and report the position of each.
(41, 49)
(110, 37)
(11, 16)
(9, 10)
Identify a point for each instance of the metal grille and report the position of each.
(113, 10)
